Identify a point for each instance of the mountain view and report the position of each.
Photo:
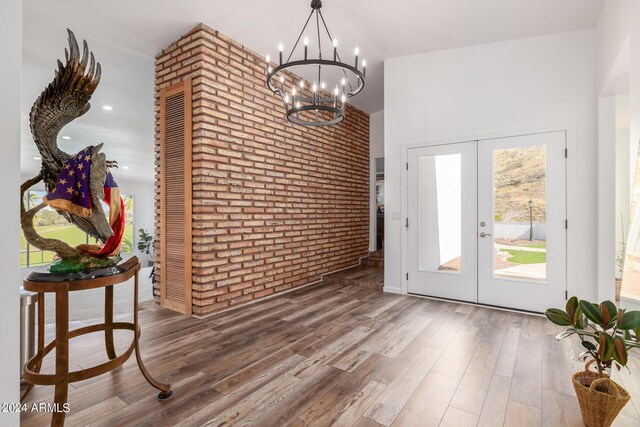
(520, 177)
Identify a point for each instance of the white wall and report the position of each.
(606, 197)
(143, 193)
(534, 84)
(520, 230)
(376, 150)
(612, 32)
(634, 79)
(622, 175)
(618, 65)
(440, 210)
(10, 74)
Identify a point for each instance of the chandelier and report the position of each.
(324, 101)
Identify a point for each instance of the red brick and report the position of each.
(274, 205)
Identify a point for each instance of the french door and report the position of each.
(442, 221)
(487, 221)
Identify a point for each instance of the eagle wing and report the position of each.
(62, 101)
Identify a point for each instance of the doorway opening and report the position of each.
(379, 203)
(487, 221)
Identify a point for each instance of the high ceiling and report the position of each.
(126, 35)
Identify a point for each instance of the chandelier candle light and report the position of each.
(319, 107)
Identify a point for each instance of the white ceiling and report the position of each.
(126, 35)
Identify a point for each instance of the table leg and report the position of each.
(108, 321)
(62, 357)
(41, 323)
(165, 389)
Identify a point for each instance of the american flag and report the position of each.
(72, 194)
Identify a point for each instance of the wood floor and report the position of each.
(364, 276)
(338, 355)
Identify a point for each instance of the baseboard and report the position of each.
(392, 290)
(335, 271)
(276, 295)
(268, 297)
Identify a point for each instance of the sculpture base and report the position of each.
(83, 263)
(62, 285)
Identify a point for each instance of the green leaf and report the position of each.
(602, 345)
(620, 351)
(592, 312)
(637, 331)
(579, 319)
(630, 320)
(609, 314)
(572, 306)
(558, 317)
(606, 348)
(589, 345)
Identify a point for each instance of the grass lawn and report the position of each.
(67, 233)
(537, 246)
(525, 257)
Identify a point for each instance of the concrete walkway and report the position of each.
(525, 271)
(520, 248)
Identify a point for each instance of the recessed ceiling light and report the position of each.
(37, 158)
(125, 167)
(66, 137)
(107, 107)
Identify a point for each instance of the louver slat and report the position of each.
(175, 197)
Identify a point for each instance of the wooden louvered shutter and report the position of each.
(175, 197)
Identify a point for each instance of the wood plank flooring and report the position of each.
(365, 276)
(337, 355)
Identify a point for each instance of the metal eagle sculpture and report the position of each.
(75, 184)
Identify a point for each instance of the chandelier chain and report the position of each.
(304, 104)
(337, 54)
(318, 28)
(300, 36)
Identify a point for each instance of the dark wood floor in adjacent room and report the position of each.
(337, 355)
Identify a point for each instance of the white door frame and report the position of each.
(522, 293)
(572, 192)
(461, 285)
(373, 217)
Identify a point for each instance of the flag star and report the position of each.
(75, 192)
(80, 166)
(63, 181)
(87, 158)
(79, 184)
(66, 166)
(82, 194)
(71, 173)
(69, 190)
(84, 175)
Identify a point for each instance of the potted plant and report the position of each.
(607, 334)
(145, 244)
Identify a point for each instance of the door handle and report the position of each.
(483, 234)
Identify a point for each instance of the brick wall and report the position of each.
(274, 205)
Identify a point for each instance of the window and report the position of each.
(128, 240)
(48, 223)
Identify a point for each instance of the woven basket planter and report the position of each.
(598, 408)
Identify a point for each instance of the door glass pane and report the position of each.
(440, 212)
(520, 213)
